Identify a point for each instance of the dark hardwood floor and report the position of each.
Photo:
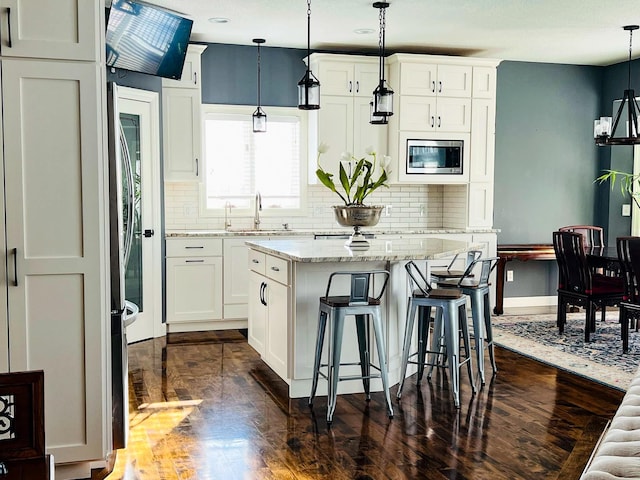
(204, 406)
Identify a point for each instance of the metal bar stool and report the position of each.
(450, 320)
(334, 309)
(477, 288)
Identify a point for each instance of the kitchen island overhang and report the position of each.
(287, 277)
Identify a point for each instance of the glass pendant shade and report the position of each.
(259, 121)
(603, 130)
(376, 119)
(308, 92)
(382, 101)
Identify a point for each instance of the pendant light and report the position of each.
(603, 130)
(382, 96)
(259, 117)
(309, 86)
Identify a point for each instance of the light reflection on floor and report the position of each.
(148, 427)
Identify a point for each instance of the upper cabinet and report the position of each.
(181, 121)
(346, 75)
(191, 77)
(62, 29)
(342, 122)
(435, 80)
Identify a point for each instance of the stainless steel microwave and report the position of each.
(434, 157)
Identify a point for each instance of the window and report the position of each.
(240, 163)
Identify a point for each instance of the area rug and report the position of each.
(601, 359)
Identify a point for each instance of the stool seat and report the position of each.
(444, 293)
(365, 308)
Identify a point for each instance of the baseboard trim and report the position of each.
(541, 301)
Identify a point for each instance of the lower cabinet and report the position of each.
(194, 284)
(269, 310)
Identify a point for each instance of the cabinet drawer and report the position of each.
(194, 247)
(277, 269)
(257, 261)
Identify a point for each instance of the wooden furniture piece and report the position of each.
(522, 252)
(578, 285)
(363, 306)
(478, 290)
(451, 318)
(22, 441)
(629, 254)
(593, 235)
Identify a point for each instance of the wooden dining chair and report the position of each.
(593, 235)
(578, 285)
(629, 257)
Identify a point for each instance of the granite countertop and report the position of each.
(307, 251)
(310, 232)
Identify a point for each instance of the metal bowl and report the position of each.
(358, 215)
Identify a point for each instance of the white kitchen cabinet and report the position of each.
(269, 310)
(182, 142)
(54, 182)
(61, 30)
(483, 135)
(434, 80)
(480, 206)
(194, 283)
(346, 75)
(428, 114)
(484, 82)
(191, 72)
(236, 294)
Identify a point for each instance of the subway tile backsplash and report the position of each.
(413, 207)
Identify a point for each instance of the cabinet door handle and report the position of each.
(15, 266)
(358, 87)
(263, 288)
(350, 86)
(255, 261)
(275, 269)
(439, 121)
(197, 168)
(193, 246)
(433, 121)
(439, 87)
(194, 261)
(9, 27)
(195, 78)
(433, 86)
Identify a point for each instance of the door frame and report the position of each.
(152, 305)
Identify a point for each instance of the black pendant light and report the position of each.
(603, 130)
(259, 117)
(382, 96)
(309, 86)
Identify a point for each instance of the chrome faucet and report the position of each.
(227, 214)
(256, 214)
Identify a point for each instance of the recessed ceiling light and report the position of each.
(364, 31)
(219, 20)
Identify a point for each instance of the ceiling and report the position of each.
(581, 32)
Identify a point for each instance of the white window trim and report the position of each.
(208, 108)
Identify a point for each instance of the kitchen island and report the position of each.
(286, 279)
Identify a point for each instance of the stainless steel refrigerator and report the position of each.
(123, 312)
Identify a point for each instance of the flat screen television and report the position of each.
(147, 39)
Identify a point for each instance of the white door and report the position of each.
(139, 117)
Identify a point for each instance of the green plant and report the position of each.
(627, 180)
(364, 176)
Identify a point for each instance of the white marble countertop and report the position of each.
(310, 232)
(307, 251)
